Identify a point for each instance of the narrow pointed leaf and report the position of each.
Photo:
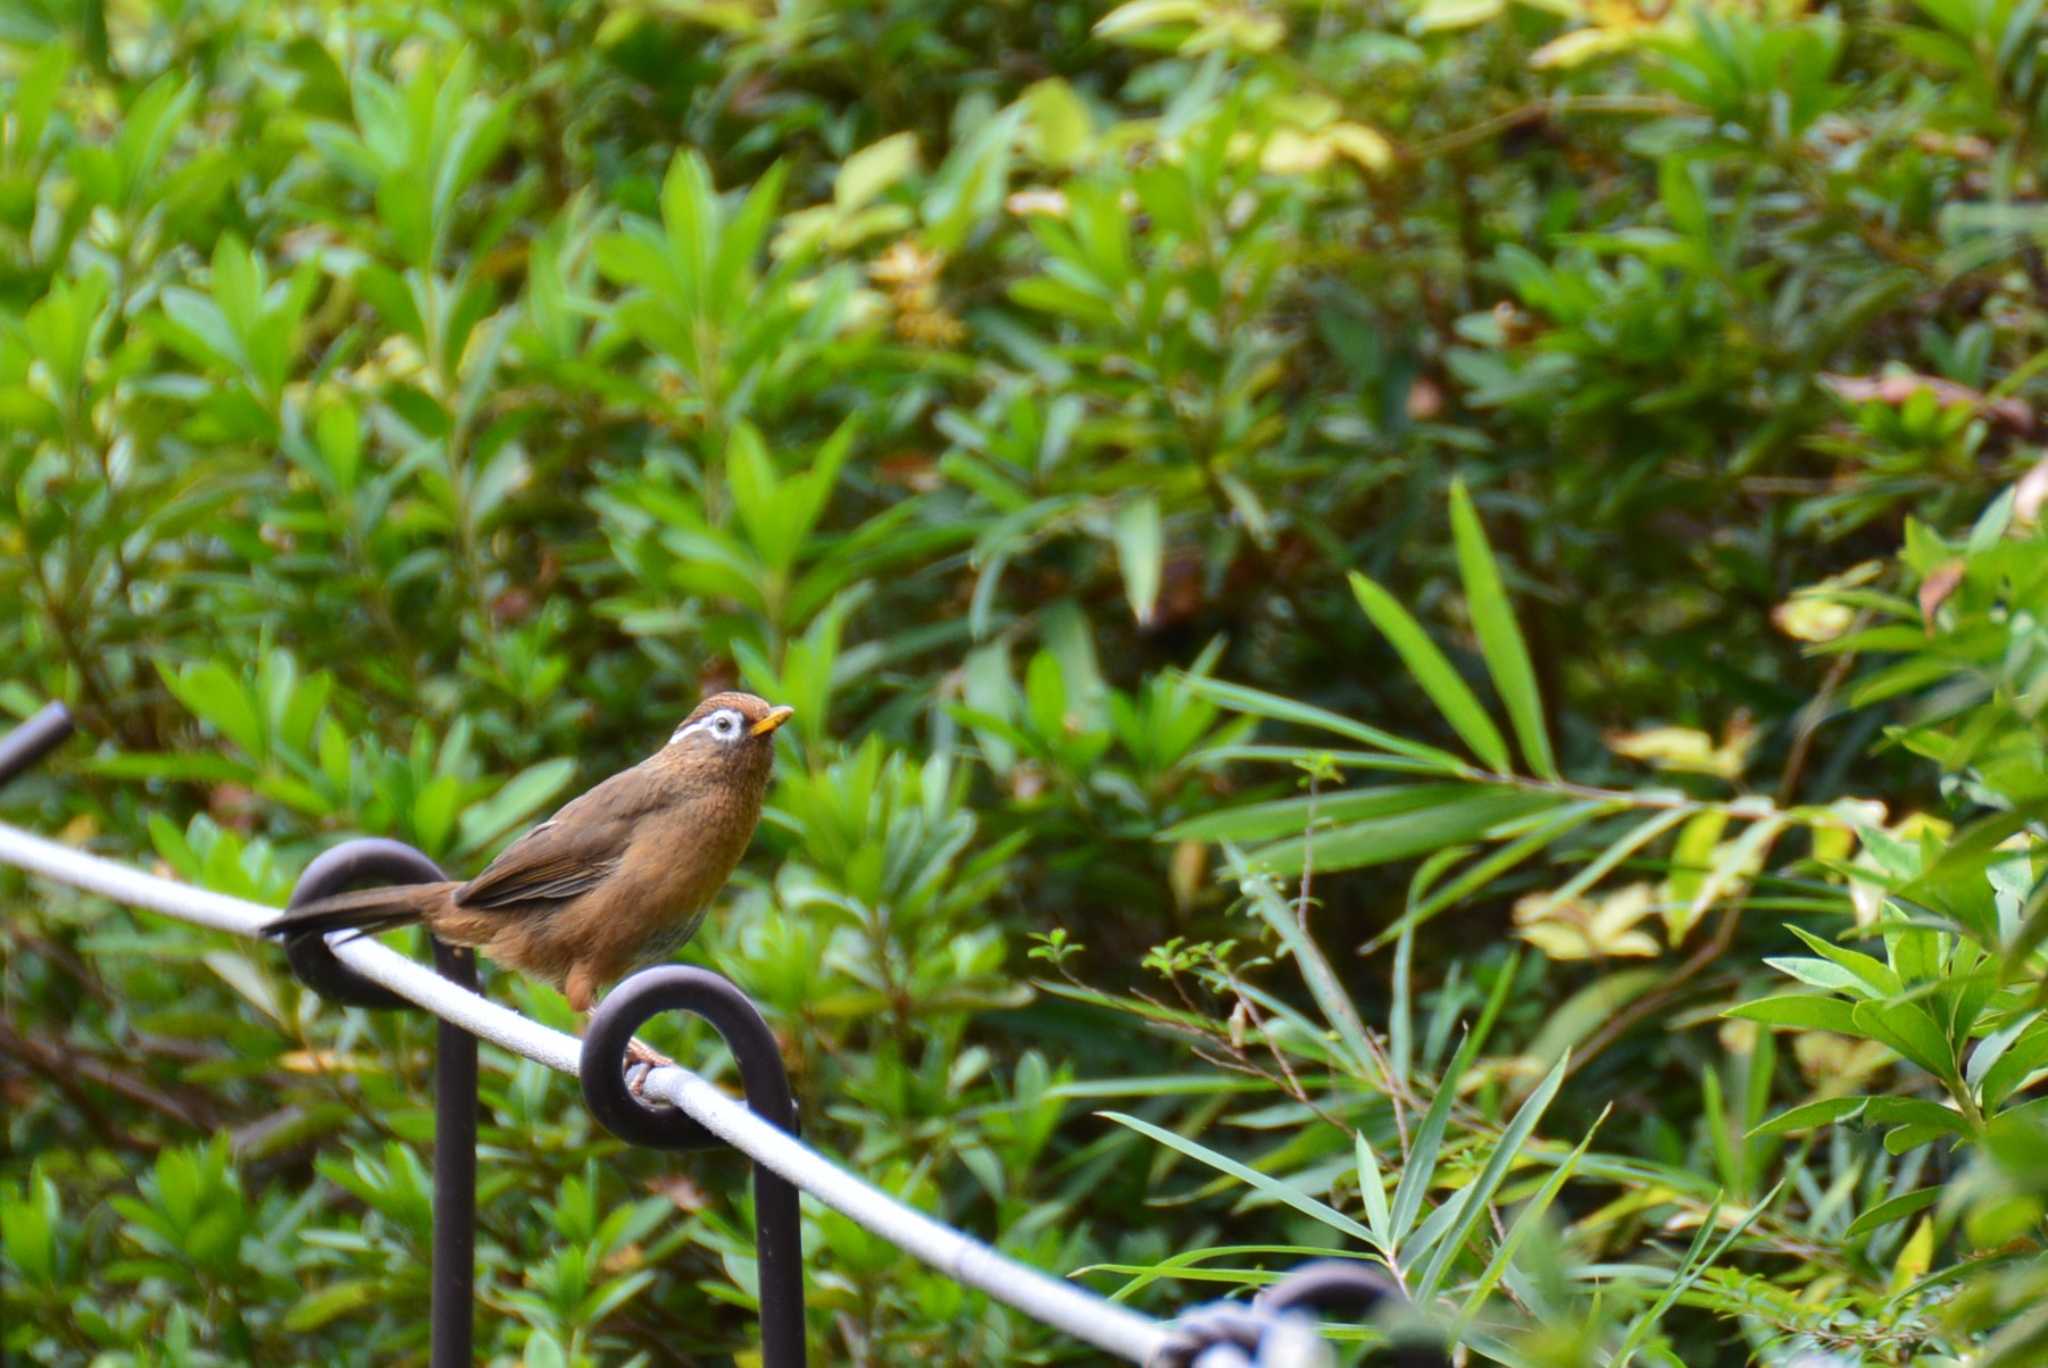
(1452, 696)
(1476, 1197)
(1500, 640)
(1258, 703)
(1284, 1193)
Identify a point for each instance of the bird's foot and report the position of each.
(642, 1060)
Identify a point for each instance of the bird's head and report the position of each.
(728, 733)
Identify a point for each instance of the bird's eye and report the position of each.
(725, 726)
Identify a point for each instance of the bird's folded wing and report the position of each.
(551, 863)
(571, 852)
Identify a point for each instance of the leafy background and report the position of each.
(1416, 626)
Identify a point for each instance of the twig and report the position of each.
(1542, 109)
(1653, 1001)
(1812, 716)
(68, 1070)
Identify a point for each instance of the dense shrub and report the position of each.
(1416, 631)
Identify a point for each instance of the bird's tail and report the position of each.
(366, 910)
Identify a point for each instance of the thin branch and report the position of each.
(1537, 110)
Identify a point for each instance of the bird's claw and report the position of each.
(641, 1062)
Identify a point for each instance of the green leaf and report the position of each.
(1284, 1193)
(750, 474)
(1418, 1169)
(1804, 1011)
(1916, 1111)
(1908, 1029)
(873, 169)
(1526, 1221)
(1892, 1209)
(1258, 703)
(1140, 554)
(214, 695)
(1290, 816)
(1482, 872)
(1811, 1115)
(1372, 1190)
(1405, 835)
(1475, 1198)
(2013, 1066)
(689, 211)
(1328, 990)
(1500, 640)
(1459, 705)
(1698, 1259)
(316, 1309)
(1874, 973)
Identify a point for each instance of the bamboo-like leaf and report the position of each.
(1641, 835)
(1698, 1259)
(1323, 982)
(1500, 640)
(1140, 551)
(1892, 1209)
(1372, 1190)
(1420, 1166)
(1732, 864)
(1401, 836)
(1258, 703)
(1290, 816)
(1483, 871)
(1526, 1220)
(1284, 1193)
(1473, 1204)
(1452, 696)
(1185, 1266)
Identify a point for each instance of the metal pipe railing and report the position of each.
(1078, 1312)
(350, 968)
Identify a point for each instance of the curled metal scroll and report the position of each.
(372, 860)
(1273, 1331)
(375, 860)
(778, 1235)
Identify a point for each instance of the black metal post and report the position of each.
(778, 1233)
(455, 1121)
(34, 739)
(378, 861)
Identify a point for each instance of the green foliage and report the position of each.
(1537, 495)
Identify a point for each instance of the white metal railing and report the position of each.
(1080, 1313)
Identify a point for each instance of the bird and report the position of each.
(618, 878)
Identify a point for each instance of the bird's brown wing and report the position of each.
(567, 855)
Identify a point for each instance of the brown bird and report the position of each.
(618, 878)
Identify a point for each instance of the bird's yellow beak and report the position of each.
(775, 718)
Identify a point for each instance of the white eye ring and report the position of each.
(725, 725)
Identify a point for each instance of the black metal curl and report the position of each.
(371, 860)
(34, 739)
(1331, 1285)
(778, 1235)
(1342, 1285)
(375, 860)
(1357, 1290)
